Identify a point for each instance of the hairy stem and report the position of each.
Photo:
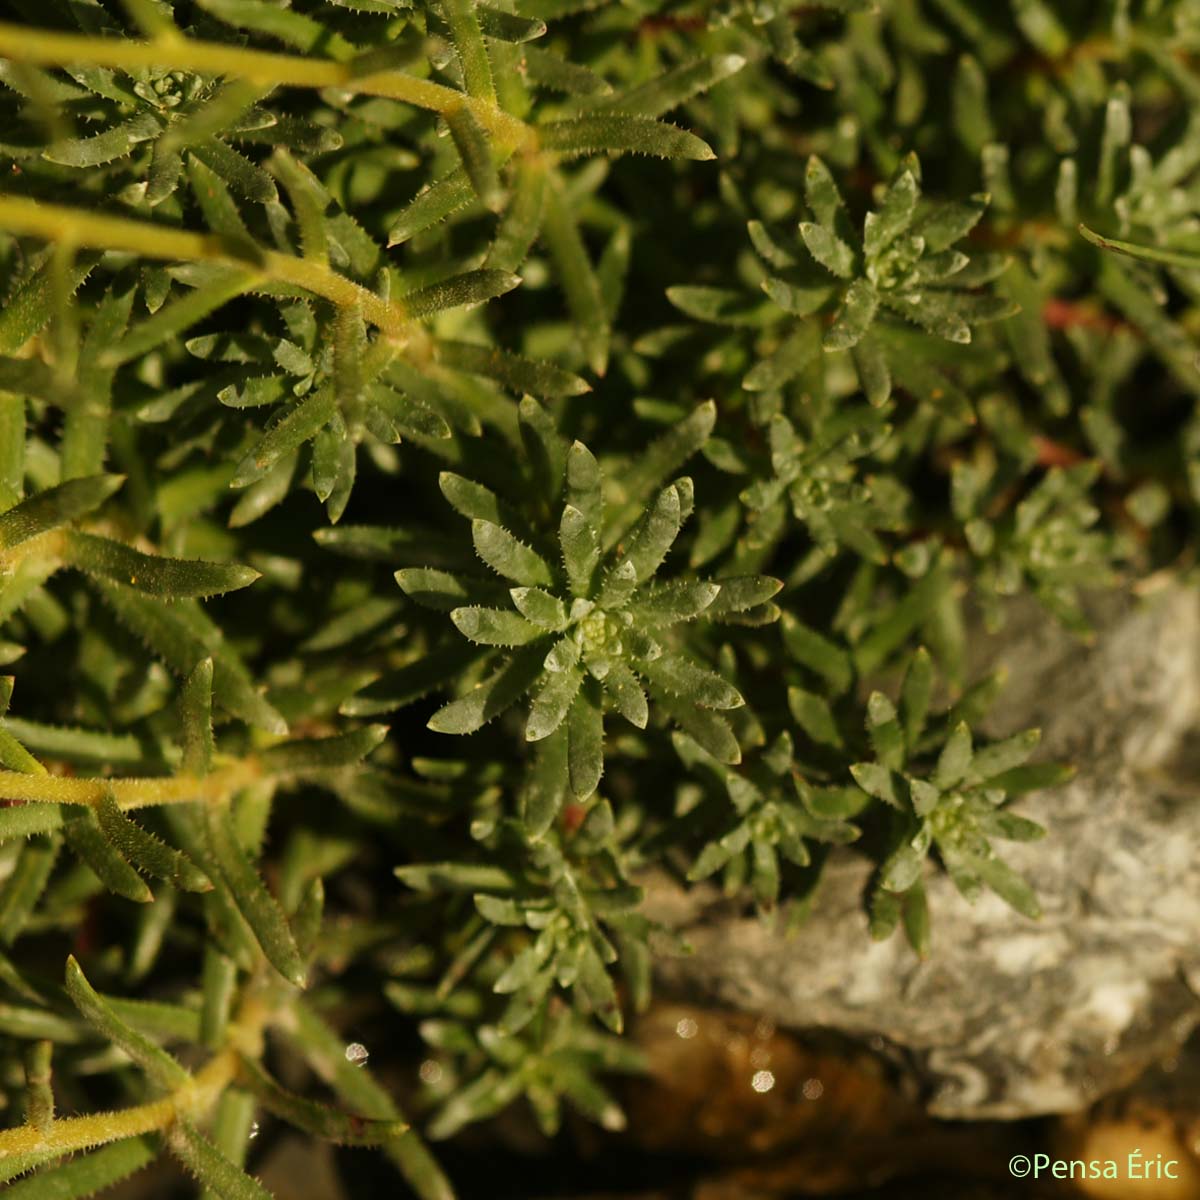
(46, 48)
(195, 1098)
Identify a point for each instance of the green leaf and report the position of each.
(622, 134)
(154, 574)
(555, 73)
(654, 535)
(1187, 260)
(854, 318)
(458, 877)
(544, 446)
(521, 223)
(195, 713)
(171, 320)
(439, 590)
(105, 147)
(885, 913)
(585, 733)
(151, 855)
(828, 249)
(508, 556)
(955, 759)
(902, 868)
(433, 205)
(883, 728)
(680, 676)
(821, 193)
(584, 484)
(495, 626)
(249, 893)
(462, 291)
(1007, 884)
(207, 1163)
(818, 653)
(476, 154)
(492, 697)
(298, 426)
(467, 38)
(937, 313)
(676, 85)
(664, 456)
(813, 714)
(969, 105)
(472, 499)
(545, 785)
(517, 374)
(54, 507)
(182, 635)
(1004, 756)
(244, 176)
(552, 702)
(219, 983)
(627, 696)
(578, 278)
(540, 607)
(946, 223)
(915, 695)
(157, 1063)
(790, 358)
(27, 311)
(508, 27)
(28, 820)
(725, 306)
(878, 781)
(679, 600)
(322, 754)
(109, 866)
(288, 26)
(916, 919)
(1033, 777)
(319, 1120)
(742, 593)
(580, 549)
(882, 228)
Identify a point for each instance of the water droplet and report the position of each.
(763, 1081)
(687, 1028)
(253, 1131)
(357, 1053)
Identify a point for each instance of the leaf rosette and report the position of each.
(586, 631)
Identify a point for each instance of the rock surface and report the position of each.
(1010, 1017)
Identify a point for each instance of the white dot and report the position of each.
(687, 1028)
(357, 1053)
(763, 1081)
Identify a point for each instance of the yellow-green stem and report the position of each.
(193, 1099)
(46, 48)
(59, 223)
(130, 793)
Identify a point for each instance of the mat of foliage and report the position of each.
(455, 454)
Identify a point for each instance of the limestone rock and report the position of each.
(1011, 1017)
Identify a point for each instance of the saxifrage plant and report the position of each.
(696, 371)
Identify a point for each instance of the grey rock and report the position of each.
(1011, 1017)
